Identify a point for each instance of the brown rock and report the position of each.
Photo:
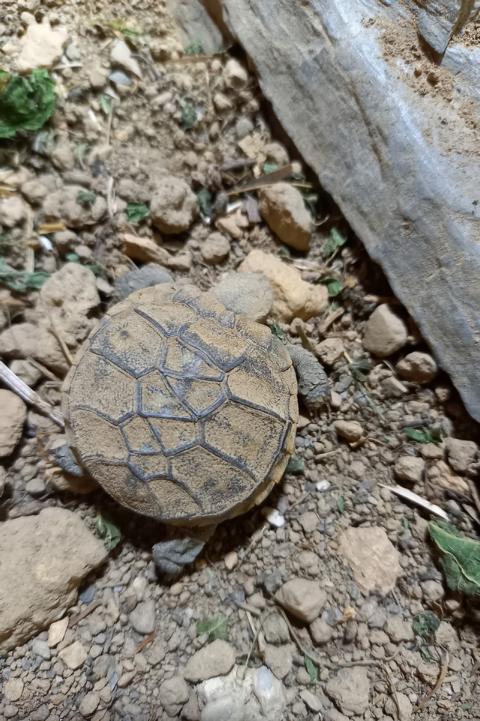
(283, 209)
(417, 367)
(440, 479)
(144, 250)
(330, 350)
(279, 659)
(302, 598)
(461, 454)
(32, 340)
(292, 296)
(65, 205)
(43, 560)
(385, 332)
(68, 297)
(351, 431)
(372, 557)
(173, 206)
(13, 413)
(409, 468)
(215, 248)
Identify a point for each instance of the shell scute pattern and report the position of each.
(178, 409)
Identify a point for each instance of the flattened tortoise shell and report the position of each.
(180, 409)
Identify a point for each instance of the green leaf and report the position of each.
(341, 504)
(423, 435)
(26, 101)
(194, 48)
(295, 466)
(335, 241)
(86, 198)
(189, 116)
(72, 257)
(19, 280)
(205, 202)
(334, 286)
(425, 624)
(105, 104)
(311, 668)
(215, 628)
(108, 532)
(460, 558)
(136, 212)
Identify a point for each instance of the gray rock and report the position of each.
(461, 454)
(89, 703)
(194, 24)
(216, 659)
(42, 649)
(247, 293)
(279, 659)
(275, 629)
(313, 383)
(173, 694)
(321, 631)
(142, 617)
(171, 556)
(350, 689)
(65, 458)
(144, 277)
(424, 214)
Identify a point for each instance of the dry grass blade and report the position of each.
(417, 500)
(263, 181)
(442, 674)
(29, 396)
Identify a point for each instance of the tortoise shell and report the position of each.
(180, 409)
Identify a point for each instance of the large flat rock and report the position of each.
(392, 130)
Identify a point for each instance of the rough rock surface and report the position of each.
(42, 46)
(292, 296)
(68, 297)
(417, 367)
(248, 293)
(423, 220)
(174, 205)
(372, 557)
(302, 598)
(43, 559)
(215, 248)
(283, 209)
(385, 332)
(350, 690)
(13, 413)
(212, 660)
(65, 204)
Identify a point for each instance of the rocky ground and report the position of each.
(327, 602)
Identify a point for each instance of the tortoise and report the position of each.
(182, 410)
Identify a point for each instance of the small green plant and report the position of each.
(333, 286)
(311, 668)
(189, 116)
(19, 280)
(136, 212)
(86, 198)
(26, 101)
(335, 241)
(215, 628)
(423, 435)
(108, 532)
(194, 48)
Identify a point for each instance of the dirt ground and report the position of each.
(386, 639)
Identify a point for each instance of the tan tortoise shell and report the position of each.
(180, 409)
